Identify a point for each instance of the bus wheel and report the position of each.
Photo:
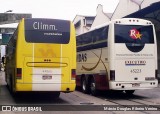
(129, 92)
(93, 87)
(84, 86)
(11, 85)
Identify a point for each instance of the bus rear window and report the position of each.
(137, 34)
(47, 31)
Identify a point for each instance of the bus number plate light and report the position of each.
(46, 77)
(136, 85)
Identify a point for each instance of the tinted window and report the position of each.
(93, 39)
(100, 34)
(134, 34)
(47, 31)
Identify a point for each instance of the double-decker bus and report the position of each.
(119, 55)
(41, 56)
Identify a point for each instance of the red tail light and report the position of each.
(19, 73)
(156, 74)
(112, 75)
(73, 74)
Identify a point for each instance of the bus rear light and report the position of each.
(156, 74)
(118, 21)
(19, 73)
(73, 74)
(118, 84)
(133, 20)
(149, 23)
(112, 75)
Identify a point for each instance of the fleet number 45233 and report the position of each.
(136, 71)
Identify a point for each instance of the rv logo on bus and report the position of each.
(135, 34)
(130, 63)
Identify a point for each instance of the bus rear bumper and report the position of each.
(115, 85)
(68, 87)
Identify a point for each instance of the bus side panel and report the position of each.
(22, 49)
(69, 51)
(94, 63)
(102, 81)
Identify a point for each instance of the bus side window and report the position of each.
(101, 34)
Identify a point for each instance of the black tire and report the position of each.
(92, 86)
(11, 88)
(78, 88)
(11, 85)
(84, 86)
(129, 92)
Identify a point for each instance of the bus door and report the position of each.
(135, 52)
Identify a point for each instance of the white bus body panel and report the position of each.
(134, 66)
(86, 60)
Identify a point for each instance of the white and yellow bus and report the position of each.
(41, 56)
(119, 55)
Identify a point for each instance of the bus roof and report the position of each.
(124, 19)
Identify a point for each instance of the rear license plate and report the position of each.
(136, 85)
(46, 77)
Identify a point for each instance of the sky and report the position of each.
(57, 9)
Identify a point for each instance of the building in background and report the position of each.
(101, 16)
(8, 24)
(83, 23)
(124, 8)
